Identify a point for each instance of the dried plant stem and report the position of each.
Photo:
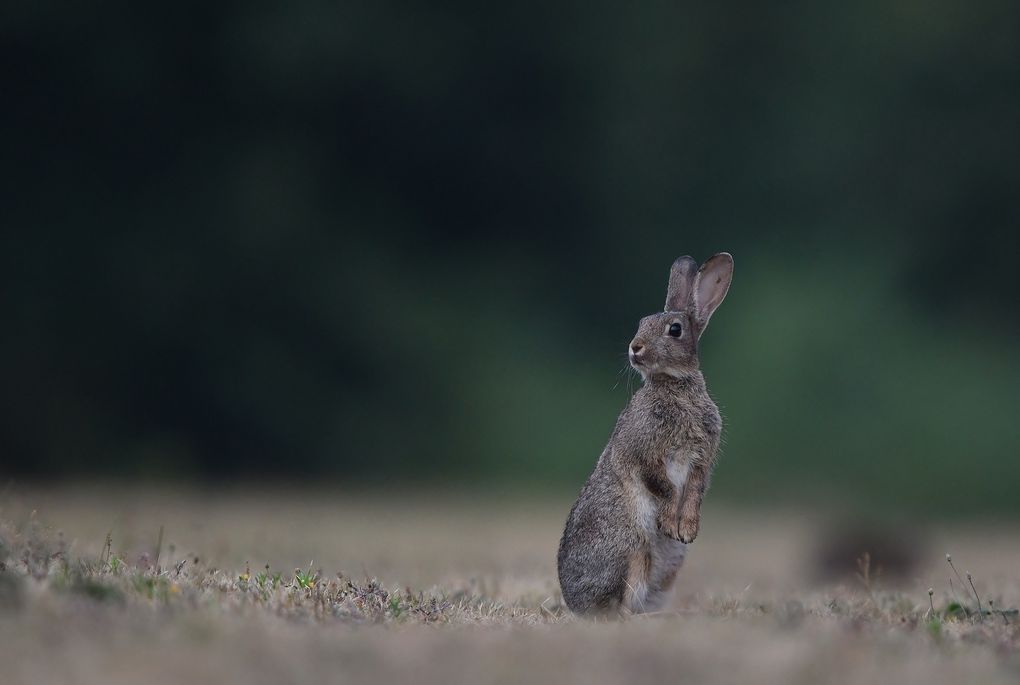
(952, 588)
(991, 610)
(976, 598)
(159, 550)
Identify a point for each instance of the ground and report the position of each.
(128, 584)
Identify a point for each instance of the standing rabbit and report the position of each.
(627, 534)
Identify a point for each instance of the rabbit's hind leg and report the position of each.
(666, 560)
(635, 595)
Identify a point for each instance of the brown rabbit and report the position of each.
(627, 534)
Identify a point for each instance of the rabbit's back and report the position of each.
(598, 543)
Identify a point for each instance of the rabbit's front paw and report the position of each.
(688, 530)
(668, 523)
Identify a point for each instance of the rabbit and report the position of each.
(627, 533)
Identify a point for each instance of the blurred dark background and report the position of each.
(377, 243)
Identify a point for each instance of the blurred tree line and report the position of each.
(391, 243)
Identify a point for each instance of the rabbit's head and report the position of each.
(666, 344)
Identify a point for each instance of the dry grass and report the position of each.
(448, 589)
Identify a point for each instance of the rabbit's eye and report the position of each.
(675, 330)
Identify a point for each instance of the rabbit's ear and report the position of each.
(711, 285)
(681, 282)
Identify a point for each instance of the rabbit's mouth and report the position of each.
(639, 363)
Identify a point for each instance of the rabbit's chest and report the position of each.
(685, 435)
(678, 465)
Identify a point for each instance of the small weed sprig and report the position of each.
(934, 619)
(244, 578)
(267, 581)
(306, 580)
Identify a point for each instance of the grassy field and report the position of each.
(133, 584)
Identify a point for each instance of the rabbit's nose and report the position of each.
(636, 348)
